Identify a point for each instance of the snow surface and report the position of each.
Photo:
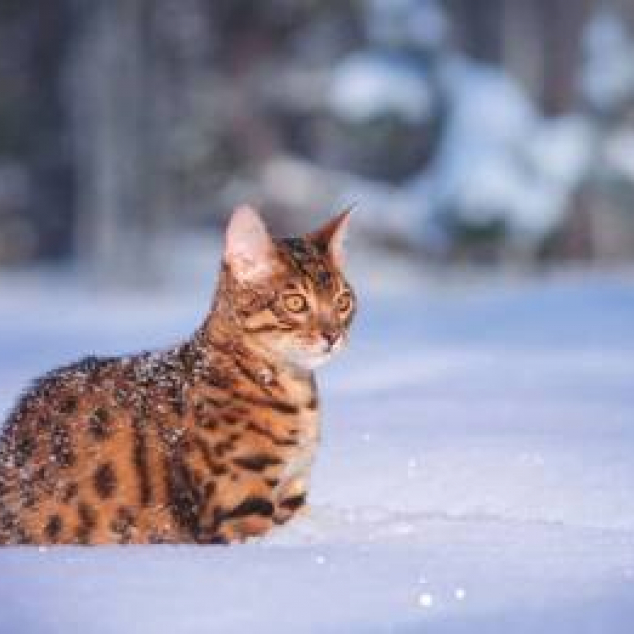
(475, 474)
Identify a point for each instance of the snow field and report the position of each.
(475, 473)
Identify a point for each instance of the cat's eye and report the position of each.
(295, 303)
(344, 302)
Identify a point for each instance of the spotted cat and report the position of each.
(211, 441)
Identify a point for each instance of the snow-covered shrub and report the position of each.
(384, 109)
(503, 173)
(366, 86)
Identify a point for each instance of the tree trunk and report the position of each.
(114, 138)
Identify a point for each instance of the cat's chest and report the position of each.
(301, 455)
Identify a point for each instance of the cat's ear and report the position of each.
(249, 249)
(332, 236)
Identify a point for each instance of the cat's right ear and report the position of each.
(332, 236)
(249, 250)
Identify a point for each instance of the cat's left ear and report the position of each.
(332, 236)
(249, 249)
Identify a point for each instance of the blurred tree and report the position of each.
(36, 187)
(118, 117)
(112, 101)
(537, 41)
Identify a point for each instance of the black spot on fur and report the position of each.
(200, 444)
(250, 506)
(140, 461)
(123, 524)
(230, 419)
(105, 480)
(206, 422)
(24, 448)
(210, 490)
(279, 406)
(41, 475)
(178, 406)
(222, 447)
(294, 502)
(70, 492)
(87, 522)
(267, 433)
(258, 462)
(8, 521)
(218, 540)
(68, 405)
(53, 527)
(186, 501)
(219, 469)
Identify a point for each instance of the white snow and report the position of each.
(475, 474)
(559, 149)
(618, 153)
(500, 161)
(367, 85)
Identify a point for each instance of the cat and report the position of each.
(211, 441)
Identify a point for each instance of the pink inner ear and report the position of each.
(249, 250)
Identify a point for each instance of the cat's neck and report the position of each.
(220, 335)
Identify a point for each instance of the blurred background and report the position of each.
(497, 132)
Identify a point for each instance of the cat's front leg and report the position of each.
(291, 500)
(239, 517)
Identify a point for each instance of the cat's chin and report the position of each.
(312, 359)
(312, 362)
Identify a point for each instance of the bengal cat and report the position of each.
(208, 442)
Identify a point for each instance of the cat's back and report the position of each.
(174, 446)
(72, 452)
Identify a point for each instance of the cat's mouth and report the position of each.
(312, 357)
(332, 346)
(324, 352)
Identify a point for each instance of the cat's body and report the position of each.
(208, 442)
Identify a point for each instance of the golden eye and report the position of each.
(295, 303)
(344, 302)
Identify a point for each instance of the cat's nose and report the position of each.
(330, 335)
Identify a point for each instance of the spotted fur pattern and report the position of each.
(208, 442)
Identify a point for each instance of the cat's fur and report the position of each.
(211, 441)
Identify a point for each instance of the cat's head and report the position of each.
(288, 297)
